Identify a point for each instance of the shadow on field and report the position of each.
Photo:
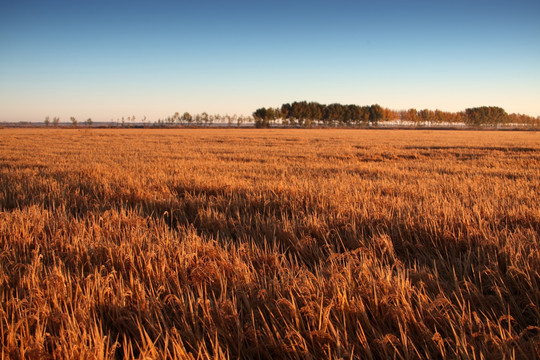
(281, 222)
(284, 224)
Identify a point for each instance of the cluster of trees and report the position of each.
(56, 121)
(203, 119)
(495, 116)
(308, 114)
(312, 113)
(523, 119)
(492, 115)
(127, 121)
(425, 116)
(477, 116)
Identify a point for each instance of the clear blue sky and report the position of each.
(107, 59)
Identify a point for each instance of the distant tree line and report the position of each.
(74, 122)
(310, 114)
(186, 119)
(203, 119)
(477, 116)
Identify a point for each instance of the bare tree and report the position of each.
(187, 117)
(47, 121)
(204, 118)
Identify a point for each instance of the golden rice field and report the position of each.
(269, 244)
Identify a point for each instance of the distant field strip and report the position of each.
(293, 244)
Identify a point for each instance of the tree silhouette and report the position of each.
(204, 118)
(186, 117)
(263, 117)
(492, 115)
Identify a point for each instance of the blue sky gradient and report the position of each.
(107, 59)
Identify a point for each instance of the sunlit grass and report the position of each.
(269, 244)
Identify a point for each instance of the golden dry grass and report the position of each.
(269, 244)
